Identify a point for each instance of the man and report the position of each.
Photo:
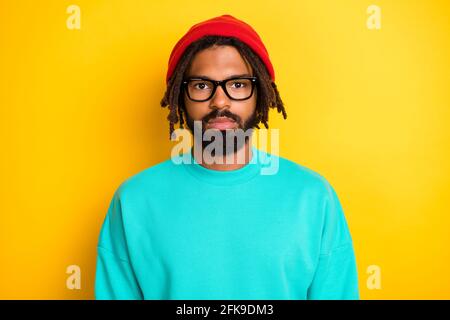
(219, 229)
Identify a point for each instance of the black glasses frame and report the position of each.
(221, 83)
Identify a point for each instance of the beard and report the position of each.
(234, 139)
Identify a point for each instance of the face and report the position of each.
(218, 63)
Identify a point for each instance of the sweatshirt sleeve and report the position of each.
(336, 276)
(114, 277)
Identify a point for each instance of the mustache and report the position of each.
(226, 113)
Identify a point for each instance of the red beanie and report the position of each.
(225, 25)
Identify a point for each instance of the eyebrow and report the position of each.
(230, 77)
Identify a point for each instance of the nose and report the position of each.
(220, 99)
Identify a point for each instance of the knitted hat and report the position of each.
(225, 25)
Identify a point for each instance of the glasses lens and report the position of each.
(200, 89)
(239, 88)
(236, 88)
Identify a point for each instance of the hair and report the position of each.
(268, 95)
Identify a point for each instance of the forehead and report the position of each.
(218, 62)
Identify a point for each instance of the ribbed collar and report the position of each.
(225, 178)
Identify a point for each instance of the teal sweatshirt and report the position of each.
(272, 229)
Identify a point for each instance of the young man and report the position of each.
(198, 229)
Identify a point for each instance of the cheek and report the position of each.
(190, 108)
(196, 110)
(250, 107)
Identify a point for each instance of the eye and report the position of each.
(200, 85)
(239, 84)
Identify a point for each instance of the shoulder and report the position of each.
(298, 175)
(149, 180)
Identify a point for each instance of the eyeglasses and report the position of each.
(200, 89)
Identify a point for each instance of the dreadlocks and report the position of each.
(268, 95)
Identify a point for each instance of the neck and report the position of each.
(244, 153)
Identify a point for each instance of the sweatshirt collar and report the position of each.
(228, 177)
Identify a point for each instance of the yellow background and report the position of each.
(367, 109)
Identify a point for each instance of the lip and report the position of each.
(222, 123)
